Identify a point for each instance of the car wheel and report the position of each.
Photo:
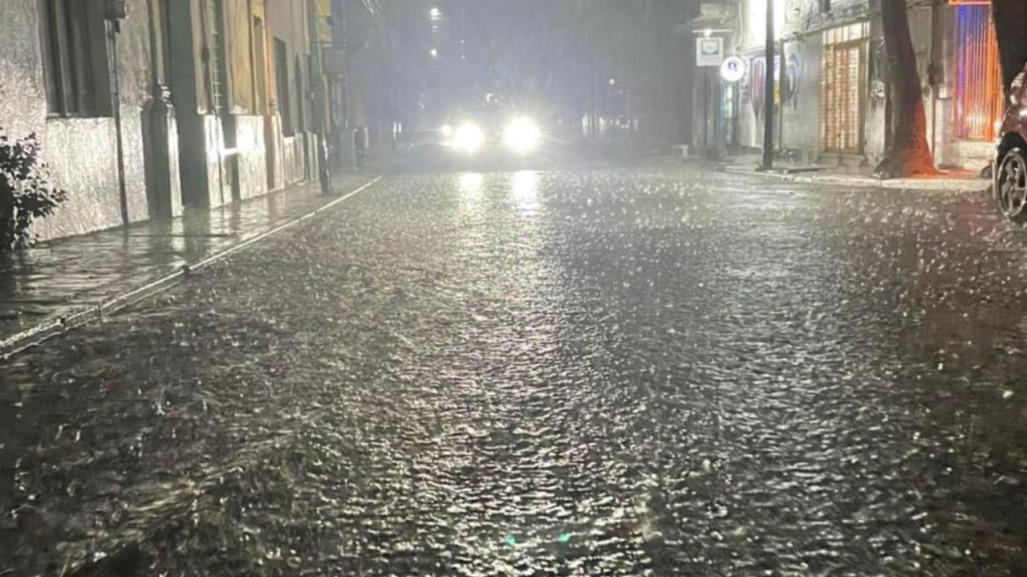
(1011, 185)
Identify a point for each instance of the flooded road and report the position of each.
(626, 371)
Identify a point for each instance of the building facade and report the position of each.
(967, 97)
(242, 85)
(145, 107)
(85, 82)
(830, 102)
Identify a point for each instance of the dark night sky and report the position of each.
(527, 51)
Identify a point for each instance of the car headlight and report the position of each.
(522, 135)
(446, 130)
(468, 137)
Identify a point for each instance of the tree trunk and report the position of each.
(907, 153)
(1010, 18)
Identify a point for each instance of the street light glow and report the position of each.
(434, 53)
(435, 13)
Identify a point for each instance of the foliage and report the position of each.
(27, 190)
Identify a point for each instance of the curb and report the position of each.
(972, 187)
(78, 317)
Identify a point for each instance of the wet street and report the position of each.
(658, 371)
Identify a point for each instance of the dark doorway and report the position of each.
(282, 86)
(261, 64)
(301, 120)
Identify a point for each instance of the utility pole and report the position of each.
(768, 93)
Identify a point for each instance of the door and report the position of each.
(301, 116)
(261, 78)
(162, 190)
(282, 86)
(843, 86)
(978, 86)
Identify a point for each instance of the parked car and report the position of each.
(1010, 168)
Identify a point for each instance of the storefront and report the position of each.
(971, 98)
(821, 81)
(713, 98)
(748, 98)
(831, 98)
(843, 88)
(977, 87)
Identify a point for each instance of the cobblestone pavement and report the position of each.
(623, 371)
(58, 277)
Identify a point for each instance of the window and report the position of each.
(282, 86)
(825, 6)
(74, 58)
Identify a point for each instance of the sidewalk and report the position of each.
(945, 181)
(58, 284)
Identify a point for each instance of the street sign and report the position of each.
(732, 69)
(709, 51)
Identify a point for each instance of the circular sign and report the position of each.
(732, 69)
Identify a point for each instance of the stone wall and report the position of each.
(81, 151)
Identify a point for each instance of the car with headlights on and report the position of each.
(492, 136)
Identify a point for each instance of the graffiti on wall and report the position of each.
(758, 77)
(786, 91)
(793, 71)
